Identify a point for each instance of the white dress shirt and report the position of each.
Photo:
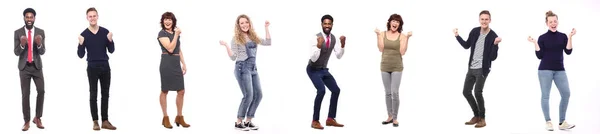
(315, 51)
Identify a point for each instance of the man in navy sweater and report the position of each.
(97, 40)
(483, 42)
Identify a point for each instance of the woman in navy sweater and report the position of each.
(549, 49)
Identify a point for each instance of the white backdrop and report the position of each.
(435, 65)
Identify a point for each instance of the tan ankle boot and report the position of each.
(166, 122)
(179, 121)
(107, 125)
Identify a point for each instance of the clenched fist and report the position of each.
(320, 40)
(455, 31)
(572, 32)
(23, 41)
(38, 40)
(343, 41)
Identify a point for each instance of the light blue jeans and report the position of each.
(562, 83)
(247, 77)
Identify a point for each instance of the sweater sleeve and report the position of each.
(566, 41)
(540, 53)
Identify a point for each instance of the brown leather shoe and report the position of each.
(316, 125)
(25, 126)
(166, 122)
(481, 123)
(38, 123)
(179, 121)
(96, 125)
(107, 125)
(473, 121)
(332, 122)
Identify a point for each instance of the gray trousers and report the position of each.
(26, 75)
(391, 83)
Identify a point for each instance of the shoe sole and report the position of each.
(568, 128)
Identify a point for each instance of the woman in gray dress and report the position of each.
(172, 68)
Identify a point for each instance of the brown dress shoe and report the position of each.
(25, 126)
(179, 121)
(332, 122)
(96, 125)
(38, 123)
(316, 125)
(107, 125)
(473, 121)
(166, 122)
(481, 123)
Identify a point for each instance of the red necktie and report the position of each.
(30, 48)
(327, 42)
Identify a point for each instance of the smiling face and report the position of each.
(394, 25)
(552, 23)
(484, 20)
(244, 24)
(29, 19)
(92, 17)
(168, 24)
(327, 25)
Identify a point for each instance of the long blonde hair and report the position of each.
(239, 34)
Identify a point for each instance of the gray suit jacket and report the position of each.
(22, 52)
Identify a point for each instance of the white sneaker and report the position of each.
(565, 126)
(549, 126)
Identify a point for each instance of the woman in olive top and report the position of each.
(393, 44)
(172, 68)
(549, 49)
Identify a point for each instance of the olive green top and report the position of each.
(391, 59)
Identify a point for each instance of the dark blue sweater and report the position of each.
(490, 51)
(552, 45)
(96, 45)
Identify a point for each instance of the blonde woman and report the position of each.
(243, 50)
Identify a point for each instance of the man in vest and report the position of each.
(319, 73)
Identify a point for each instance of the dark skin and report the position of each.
(29, 19)
(327, 25)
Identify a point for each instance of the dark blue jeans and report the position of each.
(320, 78)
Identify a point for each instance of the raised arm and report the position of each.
(538, 46)
(404, 43)
(569, 47)
(168, 43)
(111, 44)
(461, 41)
(494, 53)
(379, 39)
(233, 50)
(18, 45)
(267, 40)
(315, 47)
(339, 49)
(81, 47)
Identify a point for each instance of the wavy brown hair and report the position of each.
(239, 34)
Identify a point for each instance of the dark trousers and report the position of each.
(320, 78)
(475, 77)
(28, 73)
(99, 71)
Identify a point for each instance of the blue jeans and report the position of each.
(247, 77)
(562, 83)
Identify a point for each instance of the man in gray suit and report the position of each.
(29, 45)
